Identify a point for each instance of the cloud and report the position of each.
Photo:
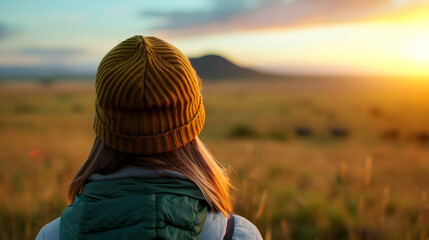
(38, 55)
(220, 11)
(237, 15)
(52, 52)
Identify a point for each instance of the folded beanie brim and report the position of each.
(152, 144)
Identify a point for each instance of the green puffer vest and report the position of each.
(129, 208)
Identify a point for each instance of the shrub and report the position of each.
(243, 131)
(276, 135)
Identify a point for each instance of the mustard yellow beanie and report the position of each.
(148, 98)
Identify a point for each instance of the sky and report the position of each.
(351, 37)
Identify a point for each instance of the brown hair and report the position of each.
(192, 160)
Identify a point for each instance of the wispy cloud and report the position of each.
(30, 56)
(52, 52)
(226, 15)
(220, 10)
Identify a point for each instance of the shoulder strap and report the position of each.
(229, 228)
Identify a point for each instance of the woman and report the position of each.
(148, 176)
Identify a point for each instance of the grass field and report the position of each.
(310, 159)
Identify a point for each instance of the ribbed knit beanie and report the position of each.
(148, 98)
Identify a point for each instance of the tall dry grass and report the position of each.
(363, 185)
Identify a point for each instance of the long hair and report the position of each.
(192, 160)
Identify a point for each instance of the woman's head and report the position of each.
(148, 113)
(148, 97)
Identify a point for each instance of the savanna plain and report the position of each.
(309, 158)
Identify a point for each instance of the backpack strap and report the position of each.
(229, 228)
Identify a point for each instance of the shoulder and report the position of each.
(244, 229)
(213, 228)
(50, 231)
(215, 225)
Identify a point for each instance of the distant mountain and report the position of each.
(42, 71)
(217, 67)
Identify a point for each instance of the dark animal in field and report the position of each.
(303, 131)
(339, 132)
(390, 134)
(421, 137)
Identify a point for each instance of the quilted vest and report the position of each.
(129, 208)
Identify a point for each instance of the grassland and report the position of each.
(310, 159)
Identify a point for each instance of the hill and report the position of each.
(217, 67)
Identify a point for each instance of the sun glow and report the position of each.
(397, 44)
(418, 49)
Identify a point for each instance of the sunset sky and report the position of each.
(369, 37)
